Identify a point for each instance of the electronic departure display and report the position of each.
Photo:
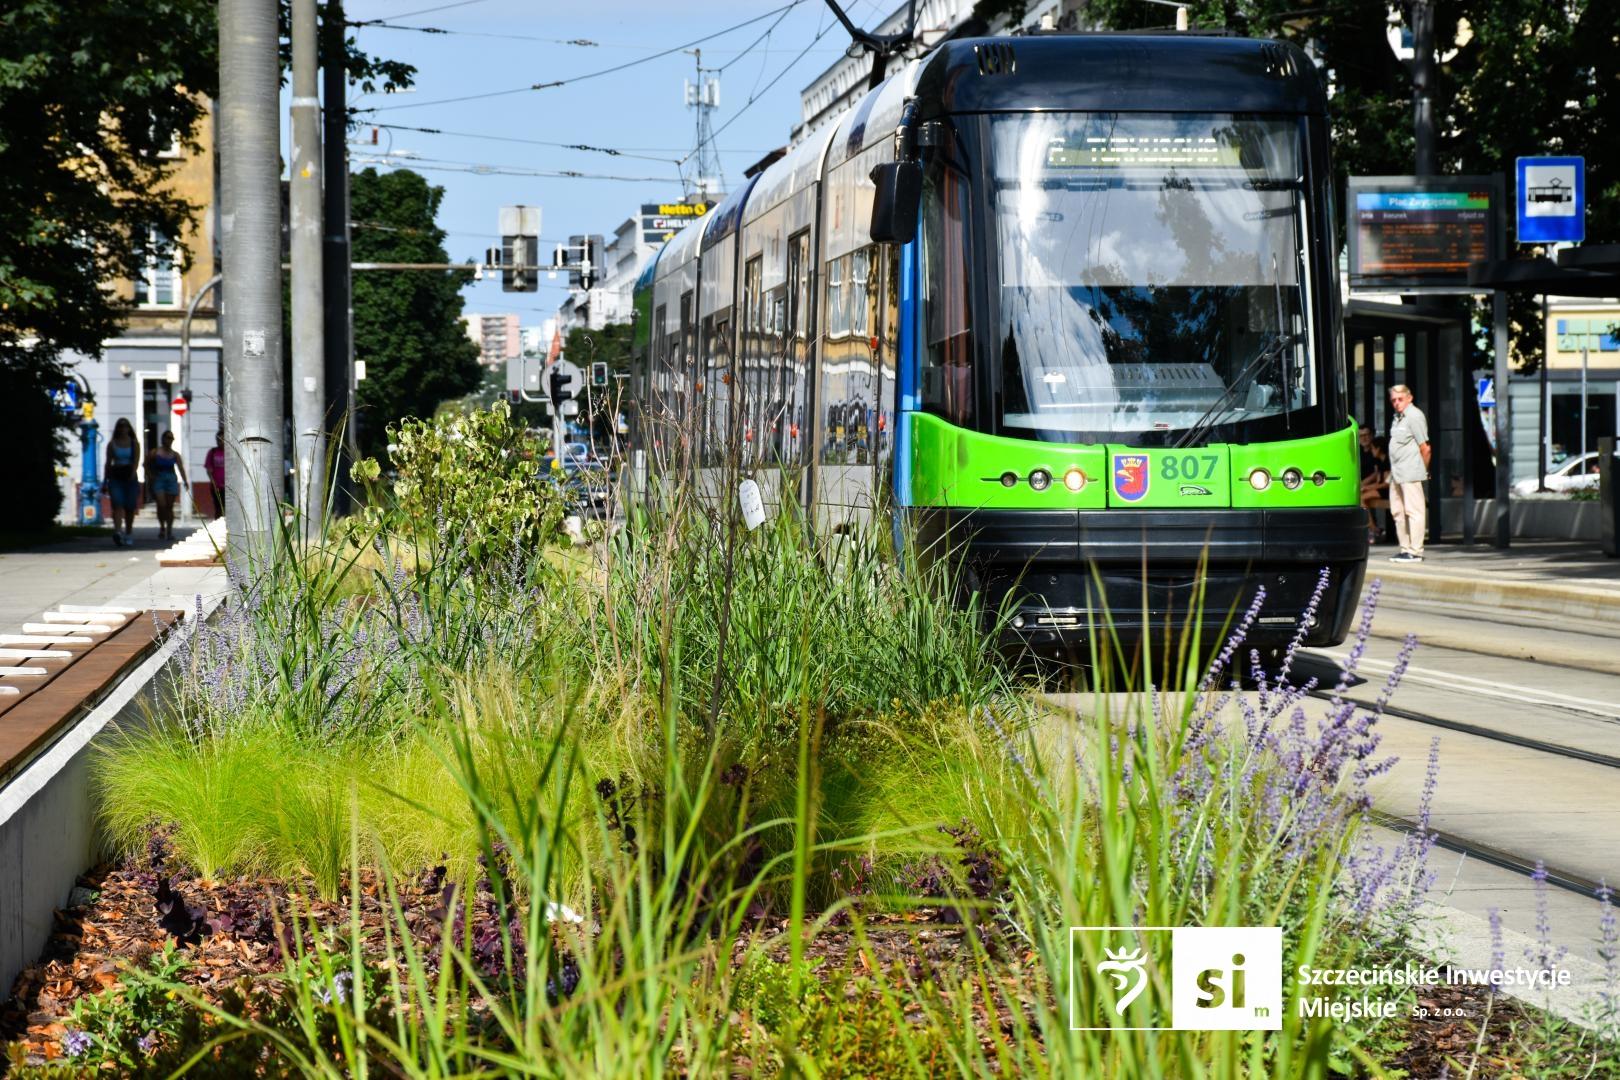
(1409, 233)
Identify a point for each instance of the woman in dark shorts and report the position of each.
(123, 485)
(166, 472)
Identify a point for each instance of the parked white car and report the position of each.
(1574, 474)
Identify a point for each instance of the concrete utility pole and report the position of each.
(1423, 85)
(250, 250)
(308, 355)
(335, 252)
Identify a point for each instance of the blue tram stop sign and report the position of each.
(1551, 199)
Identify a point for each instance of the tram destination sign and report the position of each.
(1418, 234)
(661, 221)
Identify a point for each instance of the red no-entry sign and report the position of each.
(179, 406)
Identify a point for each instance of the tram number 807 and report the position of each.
(1189, 466)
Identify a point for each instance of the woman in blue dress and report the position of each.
(122, 479)
(166, 472)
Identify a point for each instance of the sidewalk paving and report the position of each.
(84, 570)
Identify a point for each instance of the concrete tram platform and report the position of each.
(1547, 600)
(1477, 571)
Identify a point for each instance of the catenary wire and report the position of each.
(419, 11)
(625, 151)
(764, 90)
(438, 165)
(589, 74)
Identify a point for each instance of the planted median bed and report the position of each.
(443, 795)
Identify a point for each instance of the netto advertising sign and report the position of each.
(661, 221)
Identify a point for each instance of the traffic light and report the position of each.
(520, 263)
(599, 373)
(562, 387)
(574, 258)
(593, 262)
(583, 256)
(520, 248)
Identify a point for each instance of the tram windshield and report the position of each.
(1151, 283)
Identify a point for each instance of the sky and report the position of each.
(499, 45)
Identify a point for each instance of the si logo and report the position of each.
(1227, 978)
(1130, 476)
(1212, 988)
(1181, 978)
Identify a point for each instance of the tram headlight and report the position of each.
(1259, 479)
(1074, 479)
(1040, 479)
(1292, 478)
(1009, 479)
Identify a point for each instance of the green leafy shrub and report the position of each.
(473, 476)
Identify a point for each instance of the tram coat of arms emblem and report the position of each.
(1130, 476)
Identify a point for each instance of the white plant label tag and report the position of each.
(753, 507)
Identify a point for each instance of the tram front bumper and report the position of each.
(1064, 577)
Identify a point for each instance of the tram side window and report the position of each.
(889, 338)
(751, 362)
(947, 372)
(867, 351)
(660, 363)
(774, 377)
(798, 296)
(684, 352)
(722, 350)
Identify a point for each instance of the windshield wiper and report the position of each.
(1272, 349)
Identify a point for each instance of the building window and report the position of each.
(158, 284)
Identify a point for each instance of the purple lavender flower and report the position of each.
(1542, 952)
(1498, 947)
(1609, 936)
(75, 1043)
(147, 1043)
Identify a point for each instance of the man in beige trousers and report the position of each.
(1408, 469)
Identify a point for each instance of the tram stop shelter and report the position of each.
(1419, 250)
(1424, 346)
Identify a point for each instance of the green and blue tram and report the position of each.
(1066, 305)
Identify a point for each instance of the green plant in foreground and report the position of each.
(695, 741)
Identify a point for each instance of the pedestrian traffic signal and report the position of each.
(599, 373)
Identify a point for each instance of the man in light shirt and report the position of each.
(1408, 468)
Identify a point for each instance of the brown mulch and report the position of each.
(1447, 1041)
(127, 911)
(122, 913)
(232, 929)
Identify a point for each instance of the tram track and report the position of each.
(1493, 856)
(1483, 850)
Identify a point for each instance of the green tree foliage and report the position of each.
(407, 323)
(91, 93)
(1513, 78)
